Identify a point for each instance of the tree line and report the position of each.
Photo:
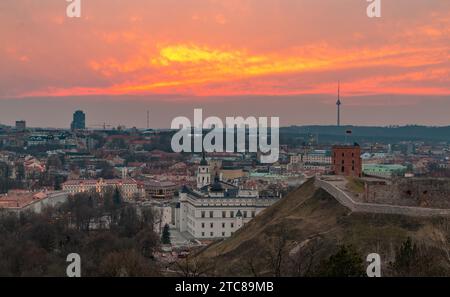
(113, 238)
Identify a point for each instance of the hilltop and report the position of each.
(295, 236)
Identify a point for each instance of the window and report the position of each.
(223, 234)
(223, 225)
(224, 214)
(212, 225)
(342, 169)
(203, 234)
(231, 214)
(203, 214)
(353, 168)
(245, 214)
(253, 214)
(212, 234)
(211, 214)
(232, 225)
(203, 225)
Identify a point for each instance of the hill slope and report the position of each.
(295, 235)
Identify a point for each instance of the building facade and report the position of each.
(347, 160)
(160, 189)
(217, 210)
(218, 214)
(384, 170)
(129, 188)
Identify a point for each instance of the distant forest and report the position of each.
(391, 134)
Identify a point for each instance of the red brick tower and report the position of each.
(347, 160)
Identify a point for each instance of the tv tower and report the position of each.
(338, 104)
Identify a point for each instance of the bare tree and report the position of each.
(276, 252)
(304, 259)
(192, 266)
(250, 262)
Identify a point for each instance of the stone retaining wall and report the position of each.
(348, 202)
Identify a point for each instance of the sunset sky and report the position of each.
(231, 57)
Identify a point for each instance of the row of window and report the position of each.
(212, 225)
(224, 214)
(343, 162)
(211, 234)
(343, 155)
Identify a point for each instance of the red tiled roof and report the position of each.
(19, 199)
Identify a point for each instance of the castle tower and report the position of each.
(203, 173)
(338, 104)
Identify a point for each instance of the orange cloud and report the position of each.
(191, 67)
(257, 49)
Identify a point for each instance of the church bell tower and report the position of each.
(203, 173)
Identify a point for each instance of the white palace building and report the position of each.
(216, 209)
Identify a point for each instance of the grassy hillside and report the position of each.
(299, 233)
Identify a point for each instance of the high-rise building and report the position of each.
(21, 125)
(79, 120)
(347, 160)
